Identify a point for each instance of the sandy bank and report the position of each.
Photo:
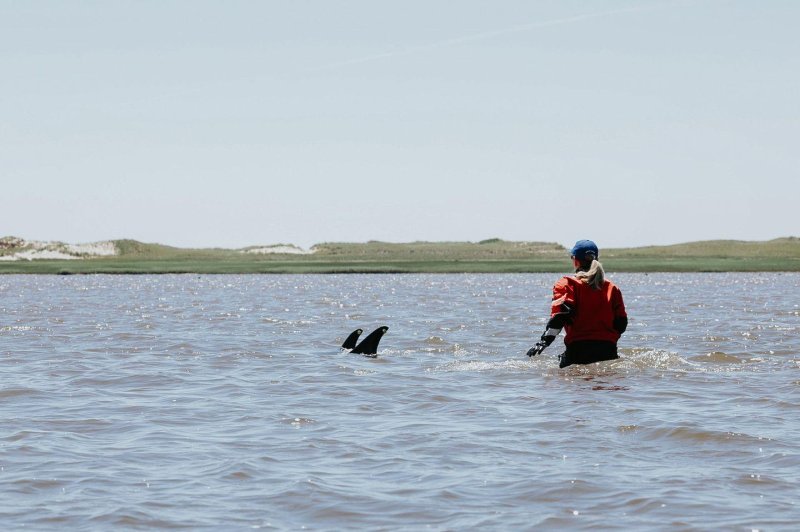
(19, 249)
(282, 249)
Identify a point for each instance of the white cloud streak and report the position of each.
(490, 34)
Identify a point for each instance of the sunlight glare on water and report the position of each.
(185, 401)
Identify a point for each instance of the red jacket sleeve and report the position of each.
(617, 304)
(563, 292)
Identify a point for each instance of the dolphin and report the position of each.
(369, 345)
(350, 343)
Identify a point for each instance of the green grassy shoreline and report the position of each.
(491, 256)
(106, 266)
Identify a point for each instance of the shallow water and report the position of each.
(223, 402)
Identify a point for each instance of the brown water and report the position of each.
(223, 402)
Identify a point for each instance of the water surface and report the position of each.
(223, 402)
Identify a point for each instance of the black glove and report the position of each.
(536, 349)
(540, 345)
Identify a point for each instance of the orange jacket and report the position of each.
(593, 311)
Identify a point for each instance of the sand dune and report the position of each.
(20, 249)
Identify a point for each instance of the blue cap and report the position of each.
(583, 248)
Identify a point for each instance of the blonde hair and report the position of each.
(592, 274)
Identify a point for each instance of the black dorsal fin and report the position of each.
(369, 345)
(350, 343)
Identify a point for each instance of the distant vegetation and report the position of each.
(493, 255)
(493, 249)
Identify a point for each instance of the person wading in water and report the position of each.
(589, 307)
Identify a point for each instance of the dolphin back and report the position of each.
(369, 345)
(351, 340)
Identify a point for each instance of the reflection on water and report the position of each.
(224, 401)
(605, 382)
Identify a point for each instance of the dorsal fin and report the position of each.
(350, 343)
(369, 345)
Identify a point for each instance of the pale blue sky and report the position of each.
(231, 123)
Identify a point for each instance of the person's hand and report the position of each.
(540, 345)
(538, 348)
